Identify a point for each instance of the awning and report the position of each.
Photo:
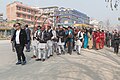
(81, 25)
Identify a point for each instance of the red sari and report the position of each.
(102, 39)
(97, 38)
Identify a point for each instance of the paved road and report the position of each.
(91, 65)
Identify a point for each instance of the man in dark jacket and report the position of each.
(116, 42)
(20, 39)
(108, 38)
(61, 40)
(28, 32)
(13, 42)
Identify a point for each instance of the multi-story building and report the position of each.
(71, 16)
(65, 16)
(1, 16)
(49, 12)
(50, 15)
(17, 11)
(2, 21)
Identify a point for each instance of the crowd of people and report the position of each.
(46, 41)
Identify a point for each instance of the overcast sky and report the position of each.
(93, 8)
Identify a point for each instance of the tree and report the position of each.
(107, 23)
(119, 19)
(113, 4)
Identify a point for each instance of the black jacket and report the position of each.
(22, 37)
(48, 35)
(117, 39)
(61, 34)
(28, 32)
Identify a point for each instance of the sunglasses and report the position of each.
(17, 26)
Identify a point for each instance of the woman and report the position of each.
(90, 40)
(85, 39)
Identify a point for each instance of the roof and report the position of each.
(49, 7)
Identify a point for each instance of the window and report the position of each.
(18, 15)
(23, 9)
(28, 16)
(31, 18)
(18, 8)
(24, 16)
(31, 11)
(28, 10)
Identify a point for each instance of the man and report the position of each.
(116, 42)
(42, 46)
(20, 39)
(13, 42)
(49, 41)
(61, 40)
(79, 40)
(28, 32)
(70, 40)
(108, 38)
(35, 41)
(54, 39)
(74, 38)
(112, 39)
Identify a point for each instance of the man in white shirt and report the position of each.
(20, 39)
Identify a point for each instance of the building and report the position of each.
(70, 16)
(49, 12)
(1, 17)
(17, 11)
(2, 21)
(4, 29)
(65, 16)
(53, 16)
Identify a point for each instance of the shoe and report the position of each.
(78, 53)
(48, 57)
(38, 59)
(13, 50)
(63, 52)
(19, 62)
(70, 53)
(74, 50)
(24, 62)
(58, 54)
(51, 55)
(33, 56)
(43, 60)
(27, 51)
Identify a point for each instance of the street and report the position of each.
(90, 65)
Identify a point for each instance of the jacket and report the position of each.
(22, 37)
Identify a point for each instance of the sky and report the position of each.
(95, 9)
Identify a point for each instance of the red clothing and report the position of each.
(102, 39)
(97, 40)
(97, 37)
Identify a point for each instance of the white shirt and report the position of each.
(81, 35)
(17, 37)
(54, 34)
